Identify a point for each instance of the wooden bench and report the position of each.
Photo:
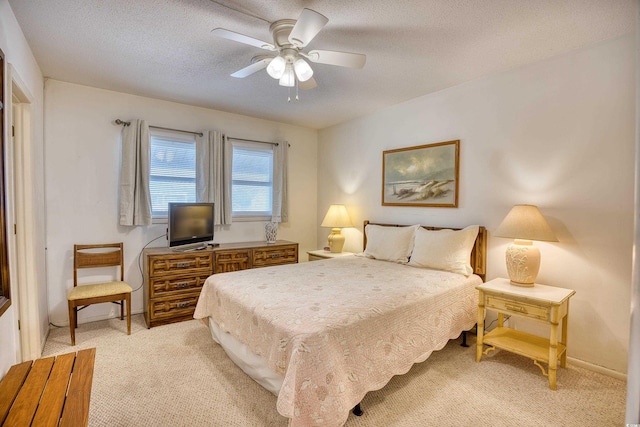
(53, 391)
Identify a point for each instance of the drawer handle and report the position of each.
(517, 308)
(184, 304)
(183, 264)
(275, 255)
(182, 285)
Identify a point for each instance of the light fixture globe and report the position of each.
(288, 78)
(302, 69)
(276, 67)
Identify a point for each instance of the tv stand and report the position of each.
(173, 278)
(190, 248)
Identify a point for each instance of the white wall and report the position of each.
(558, 134)
(632, 415)
(19, 55)
(82, 171)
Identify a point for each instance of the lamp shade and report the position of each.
(527, 223)
(337, 217)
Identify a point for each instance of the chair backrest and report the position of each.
(91, 256)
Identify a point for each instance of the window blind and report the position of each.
(172, 174)
(252, 180)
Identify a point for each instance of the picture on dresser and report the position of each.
(425, 175)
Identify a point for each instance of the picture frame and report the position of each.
(424, 175)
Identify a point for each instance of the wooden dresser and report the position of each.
(173, 279)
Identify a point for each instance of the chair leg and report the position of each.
(128, 299)
(122, 310)
(72, 323)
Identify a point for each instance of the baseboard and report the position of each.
(596, 368)
(44, 341)
(65, 324)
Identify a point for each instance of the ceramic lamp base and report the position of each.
(336, 241)
(523, 262)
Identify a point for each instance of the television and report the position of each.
(190, 224)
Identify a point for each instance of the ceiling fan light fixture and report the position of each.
(302, 69)
(289, 62)
(288, 78)
(276, 67)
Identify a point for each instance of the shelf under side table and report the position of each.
(522, 343)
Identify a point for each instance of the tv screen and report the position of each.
(190, 223)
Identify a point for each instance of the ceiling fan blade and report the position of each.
(308, 84)
(253, 68)
(307, 27)
(241, 38)
(342, 59)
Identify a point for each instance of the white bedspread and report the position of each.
(339, 328)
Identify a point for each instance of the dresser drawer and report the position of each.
(234, 260)
(191, 263)
(264, 257)
(180, 306)
(171, 285)
(518, 307)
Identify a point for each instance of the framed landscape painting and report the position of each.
(426, 175)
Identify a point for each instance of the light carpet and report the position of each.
(175, 375)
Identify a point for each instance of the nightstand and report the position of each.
(322, 254)
(546, 304)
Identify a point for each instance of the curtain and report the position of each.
(135, 198)
(280, 208)
(213, 174)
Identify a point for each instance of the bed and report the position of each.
(322, 334)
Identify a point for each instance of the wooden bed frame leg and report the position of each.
(464, 339)
(357, 411)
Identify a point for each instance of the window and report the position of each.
(252, 181)
(172, 171)
(172, 176)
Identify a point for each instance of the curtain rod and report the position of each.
(122, 122)
(253, 140)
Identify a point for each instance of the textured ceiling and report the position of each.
(163, 48)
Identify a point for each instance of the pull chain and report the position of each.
(289, 93)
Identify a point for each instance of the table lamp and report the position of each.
(524, 223)
(336, 218)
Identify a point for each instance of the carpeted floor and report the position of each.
(175, 375)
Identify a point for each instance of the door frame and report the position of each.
(25, 283)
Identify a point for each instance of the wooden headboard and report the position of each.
(478, 254)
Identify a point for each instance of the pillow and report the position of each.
(389, 243)
(447, 250)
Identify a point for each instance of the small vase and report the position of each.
(271, 231)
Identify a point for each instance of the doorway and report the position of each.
(20, 184)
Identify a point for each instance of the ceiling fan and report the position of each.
(290, 37)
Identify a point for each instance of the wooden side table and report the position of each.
(322, 254)
(546, 304)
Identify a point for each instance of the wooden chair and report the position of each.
(117, 292)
